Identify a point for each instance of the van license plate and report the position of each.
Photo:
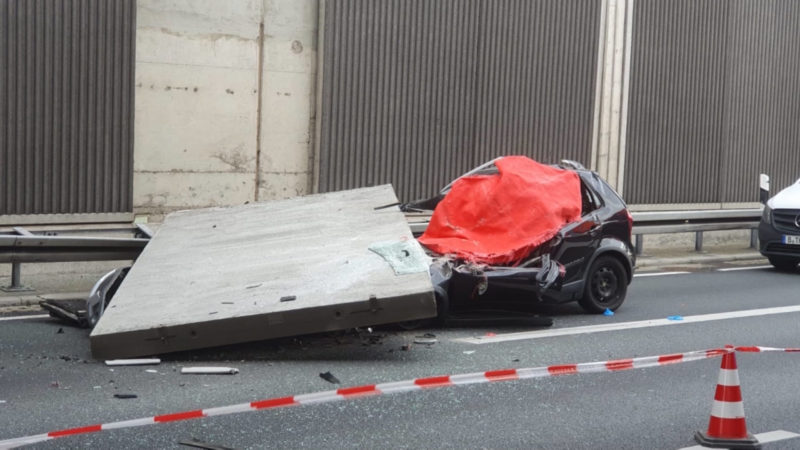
(791, 240)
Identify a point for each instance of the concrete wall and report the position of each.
(225, 96)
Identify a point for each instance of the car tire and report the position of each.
(783, 264)
(606, 285)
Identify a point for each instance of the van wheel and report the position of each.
(606, 286)
(783, 264)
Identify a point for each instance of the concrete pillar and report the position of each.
(613, 74)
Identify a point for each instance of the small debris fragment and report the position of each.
(469, 352)
(675, 318)
(97, 387)
(252, 286)
(515, 360)
(608, 312)
(210, 370)
(65, 358)
(405, 347)
(288, 298)
(200, 444)
(490, 334)
(425, 340)
(60, 331)
(55, 384)
(327, 376)
(125, 396)
(133, 362)
(151, 371)
(227, 303)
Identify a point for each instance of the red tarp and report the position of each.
(499, 219)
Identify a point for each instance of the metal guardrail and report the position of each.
(663, 222)
(76, 243)
(66, 244)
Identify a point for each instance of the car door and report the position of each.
(580, 239)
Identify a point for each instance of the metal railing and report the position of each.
(67, 243)
(662, 222)
(80, 242)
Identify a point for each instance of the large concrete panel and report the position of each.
(217, 276)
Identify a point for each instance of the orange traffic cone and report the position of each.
(727, 427)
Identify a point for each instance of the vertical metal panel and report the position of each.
(66, 109)
(714, 92)
(416, 93)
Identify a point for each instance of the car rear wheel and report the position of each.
(783, 264)
(606, 285)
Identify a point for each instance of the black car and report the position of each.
(590, 260)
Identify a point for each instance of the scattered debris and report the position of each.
(490, 334)
(288, 298)
(126, 396)
(426, 339)
(252, 286)
(210, 370)
(405, 347)
(65, 358)
(608, 312)
(151, 371)
(515, 360)
(60, 331)
(327, 376)
(675, 318)
(469, 352)
(97, 387)
(133, 362)
(199, 444)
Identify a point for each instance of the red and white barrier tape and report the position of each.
(395, 388)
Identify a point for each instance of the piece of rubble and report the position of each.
(209, 370)
(133, 362)
(125, 396)
(329, 377)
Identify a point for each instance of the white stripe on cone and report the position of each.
(728, 377)
(727, 410)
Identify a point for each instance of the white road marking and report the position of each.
(763, 438)
(627, 325)
(38, 316)
(734, 269)
(657, 274)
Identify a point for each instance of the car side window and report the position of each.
(589, 200)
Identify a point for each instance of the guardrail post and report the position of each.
(639, 243)
(753, 238)
(16, 285)
(698, 241)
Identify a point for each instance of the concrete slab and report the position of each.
(227, 275)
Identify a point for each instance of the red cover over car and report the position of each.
(499, 219)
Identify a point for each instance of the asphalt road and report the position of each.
(48, 380)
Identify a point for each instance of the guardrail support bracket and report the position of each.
(698, 241)
(16, 284)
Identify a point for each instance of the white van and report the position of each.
(779, 230)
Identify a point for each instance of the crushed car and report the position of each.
(582, 253)
(507, 236)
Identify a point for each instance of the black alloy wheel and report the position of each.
(606, 285)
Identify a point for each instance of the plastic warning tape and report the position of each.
(397, 387)
(757, 349)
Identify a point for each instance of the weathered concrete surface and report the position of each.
(217, 276)
(288, 98)
(224, 102)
